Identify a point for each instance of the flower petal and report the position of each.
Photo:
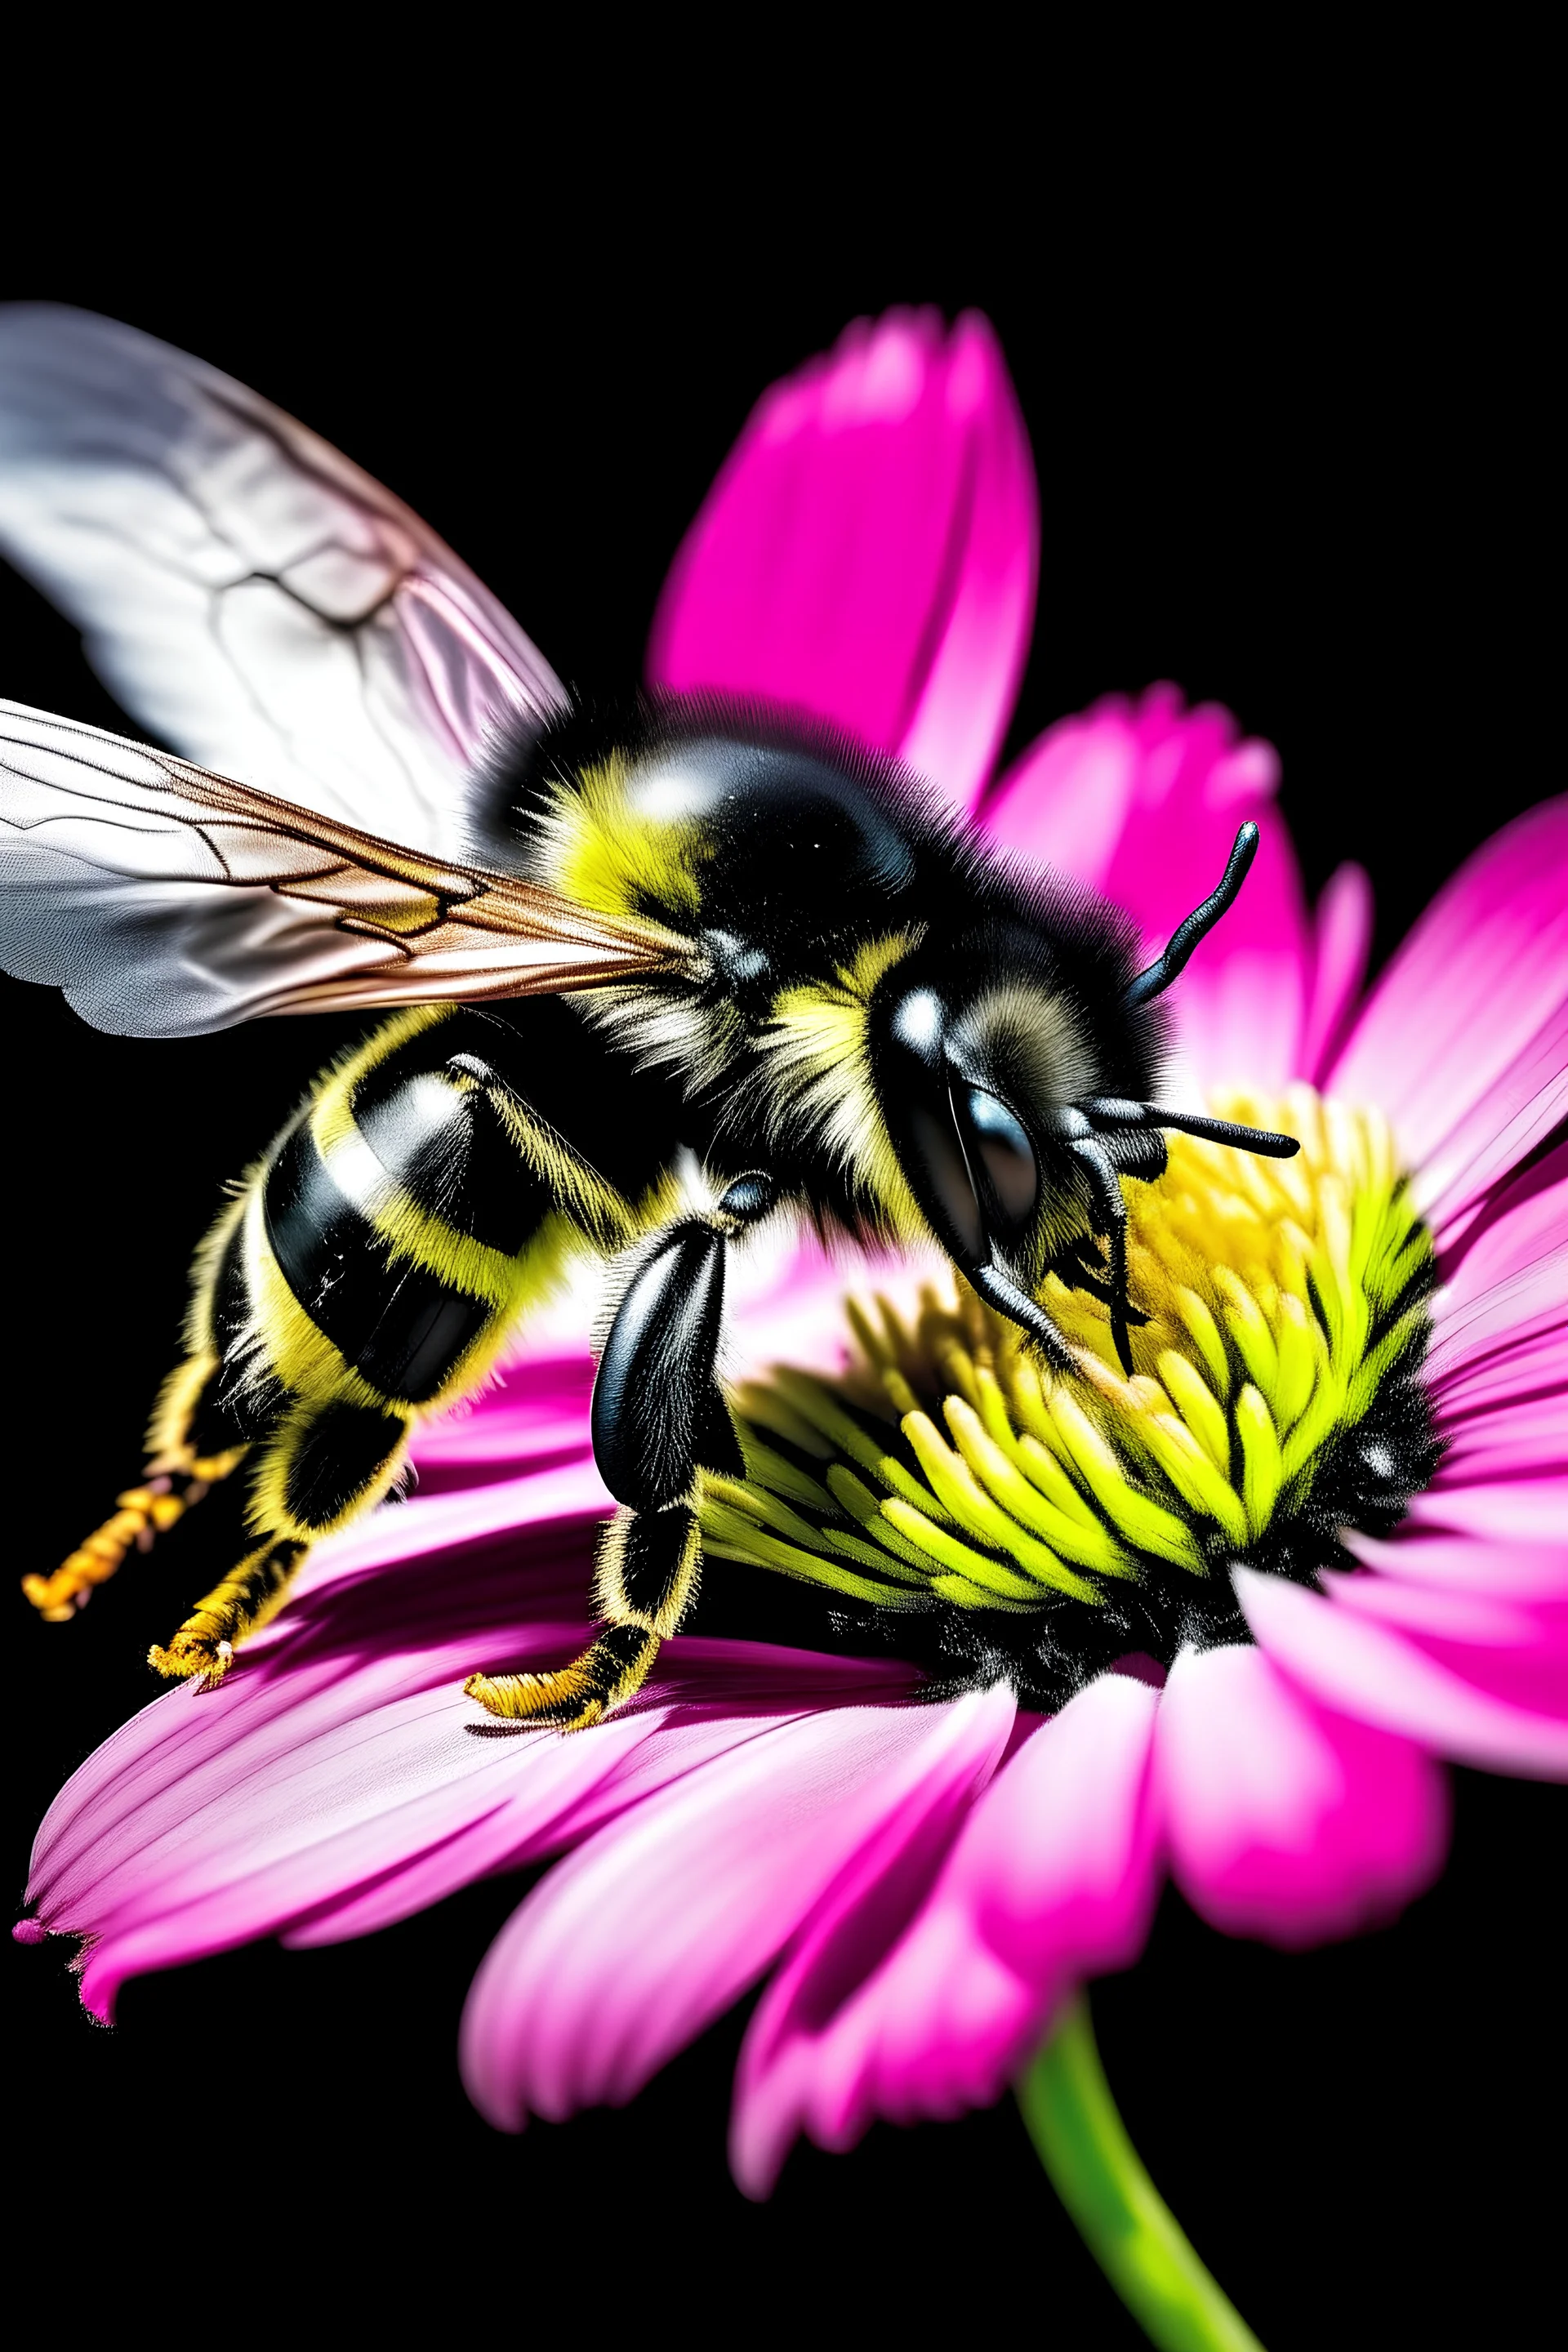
(632, 1946)
(1447, 1701)
(1524, 1438)
(1462, 1563)
(1496, 1510)
(1505, 1286)
(340, 1778)
(1343, 942)
(1517, 1114)
(868, 551)
(1285, 1820)
(1490, 1620)
(1141, 802)
(1515, 1649)
(1052, 1877)
(534, 1418)
(866, 1910)
(337, 1747)
(1447, 1041)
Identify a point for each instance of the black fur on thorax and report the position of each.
(816, 847)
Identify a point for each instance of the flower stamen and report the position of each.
(1044, 1519)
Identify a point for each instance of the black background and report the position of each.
(1280, 399)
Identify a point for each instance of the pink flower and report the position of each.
(926, 1881)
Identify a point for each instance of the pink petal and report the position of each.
(1515, 1650)
(1285, 1820)
(400, 1534)
(1343, 927)
(1447, 1043)
(1501, 1510)
(631, 1947)
(1518, 1112)
(1483, 1618)
(1531, 1363)
(1447, 1702)
(340, 1778)
(535, 1417)
(1520, 1223)
(1462, 1563)
(1506, 1283)
(1141, 802)
(869, 550)
(1523, 1439)
(1052, 1877)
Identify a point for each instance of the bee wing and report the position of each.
(165, 900)
(246, 593)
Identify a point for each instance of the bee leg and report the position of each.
(323, 1462)
(1074, 1268)
(659, 1419)
(242, 1600)
(180, 1472)
(649, 1565)
(1113, 1209)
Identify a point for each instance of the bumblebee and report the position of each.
(697, 929)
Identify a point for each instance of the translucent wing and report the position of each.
(165, 900)
(246, 593)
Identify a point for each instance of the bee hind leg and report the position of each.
(324, 1462)
(187, 1461)
(659, 1419)
(238, 1604)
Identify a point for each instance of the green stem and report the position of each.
(1124, 2221)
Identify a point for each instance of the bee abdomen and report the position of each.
(391, 1313)
(439, 1142)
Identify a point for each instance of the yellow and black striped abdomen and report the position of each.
(384, 1251)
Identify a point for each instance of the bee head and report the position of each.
(1013, 1068)
(979, 1058)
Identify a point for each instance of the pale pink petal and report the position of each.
(1492, 1436)
(1450, 1703)
(1510, 1571)
(1519, 1111)
(868, 551)
(1499, 1510)
(1285, 1820)
(1532, 1364)
(1517, 1650)
(441, 1523)
(1447, 1043)
(1052, 1878)
(629, 1949)
(1343, 942)
(1520, 1223)
(1141, 802)
(1506, 1285)
(1486, 1619)
(340, 1778)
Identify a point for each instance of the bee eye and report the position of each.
(1005, 1152)
(941, 1163)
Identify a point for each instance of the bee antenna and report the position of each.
(1113, 1115)
(1202, 920)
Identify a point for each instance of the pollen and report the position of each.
(1275, 1398)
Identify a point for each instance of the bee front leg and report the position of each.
(658, 1419)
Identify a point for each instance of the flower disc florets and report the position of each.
(987, 1518)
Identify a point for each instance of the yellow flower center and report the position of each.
(1274, 1398)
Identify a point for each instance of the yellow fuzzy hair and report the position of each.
(819, 1073)
(603, 855)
